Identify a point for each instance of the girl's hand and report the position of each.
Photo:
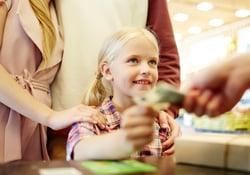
(138, 124)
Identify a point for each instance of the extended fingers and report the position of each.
(190, 100)
(202, 102)
(215, 106)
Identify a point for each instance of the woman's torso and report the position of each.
(20, 55)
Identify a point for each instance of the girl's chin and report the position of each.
(145, 88)
(142, 91)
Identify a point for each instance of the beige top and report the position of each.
(90, 23)
(20, 55)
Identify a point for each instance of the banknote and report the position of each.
(160, 97)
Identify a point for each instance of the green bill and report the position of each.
(161, 96)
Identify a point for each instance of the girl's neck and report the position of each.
(122, 104)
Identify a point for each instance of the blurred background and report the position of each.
(207, 32)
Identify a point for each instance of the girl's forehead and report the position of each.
(139, 38)
(140, 45)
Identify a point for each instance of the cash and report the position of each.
(160, 97)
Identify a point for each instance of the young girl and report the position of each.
(127, 66)
(30, 55)
(82, 47)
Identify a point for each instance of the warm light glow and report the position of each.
(216, 22)
(194, 30)
(242, 13)
(177, 36)
(181, 17)
(204, 6)
(228, 39)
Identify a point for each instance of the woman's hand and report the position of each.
(217, 88)
(167, 122)
(62, 119)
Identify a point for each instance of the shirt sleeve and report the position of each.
(78, 132)
(169, 67)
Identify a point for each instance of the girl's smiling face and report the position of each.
(134, 69)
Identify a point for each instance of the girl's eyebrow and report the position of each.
(134, 55)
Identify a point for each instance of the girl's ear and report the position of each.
(105, 69)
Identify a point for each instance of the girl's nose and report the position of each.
(145, 69)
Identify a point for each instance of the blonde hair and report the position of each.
(42, 13)
(100, 88)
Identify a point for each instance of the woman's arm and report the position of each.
(17, 98)
(169, 67)
(159, 21)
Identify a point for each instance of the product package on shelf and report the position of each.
(227, 151)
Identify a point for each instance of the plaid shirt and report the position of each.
(82, 130)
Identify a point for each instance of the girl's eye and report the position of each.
(153, 62)
(132, 60)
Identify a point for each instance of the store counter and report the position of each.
(163, 166)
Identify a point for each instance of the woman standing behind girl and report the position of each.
(127, 66)
(30, 55)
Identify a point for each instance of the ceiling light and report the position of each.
(216, 22)
(194, 30)
(181, 17)
(204, 6)
(242, 13)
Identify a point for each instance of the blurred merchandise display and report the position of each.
(237, 120)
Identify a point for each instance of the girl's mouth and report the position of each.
(143, 82)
